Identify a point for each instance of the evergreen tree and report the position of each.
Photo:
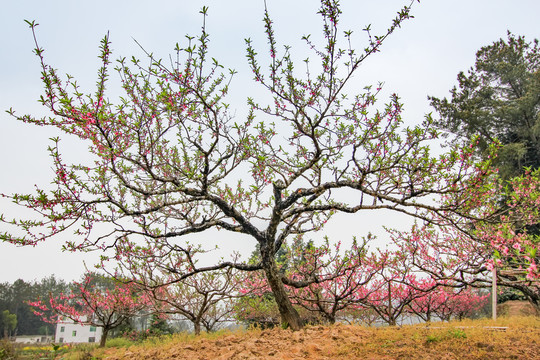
(499, 98)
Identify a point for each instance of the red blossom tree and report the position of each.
(427, 304)
(446, 302)
(96, 301)
(171, 160)
(468, 258)
(334, 279)
(394, 287)
(338, 279)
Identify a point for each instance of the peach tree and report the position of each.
(171, 160)
(94, 301)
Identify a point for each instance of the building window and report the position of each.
(92, 329)
(92, 339)
(74, 333)
(61, 340)
(62, 328)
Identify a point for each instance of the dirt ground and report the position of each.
(516, 308)
(506, 339)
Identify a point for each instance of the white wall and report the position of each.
(33, 339)
(69, 332)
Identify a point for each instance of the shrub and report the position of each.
(7, 351)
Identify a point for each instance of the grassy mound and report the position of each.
(507, 338)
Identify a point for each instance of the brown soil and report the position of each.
(511, 339)
(516, 308)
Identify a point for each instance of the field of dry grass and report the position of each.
(507, 338)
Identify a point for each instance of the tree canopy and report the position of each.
(14, 298)
(499, 99)
(170, 159)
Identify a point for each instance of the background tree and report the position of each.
(468, 258)
(446, 302)
(9, 323)
(170, 161)
(159, 325)
(499, 98)
(205, 299)
(96, 301)
(49, 286)
(340, 276)
(394, 286)
(14, 297)
(20, 292)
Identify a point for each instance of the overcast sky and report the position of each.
(423, 58)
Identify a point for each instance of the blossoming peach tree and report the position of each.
(504, 246)
(171, 160)
(335, 281)
(95, 301)
(448, 302)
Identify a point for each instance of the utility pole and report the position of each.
(494, 292)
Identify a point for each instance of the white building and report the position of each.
(33, 339)
(70, 332)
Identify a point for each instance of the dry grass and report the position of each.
(456, 340)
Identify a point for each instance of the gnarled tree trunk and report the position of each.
(289, 315)
(104, 335)
(197, 327)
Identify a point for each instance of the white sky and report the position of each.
(423, 58)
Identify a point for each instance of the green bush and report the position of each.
(119, 342)
(7, 350)
(457, 334)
